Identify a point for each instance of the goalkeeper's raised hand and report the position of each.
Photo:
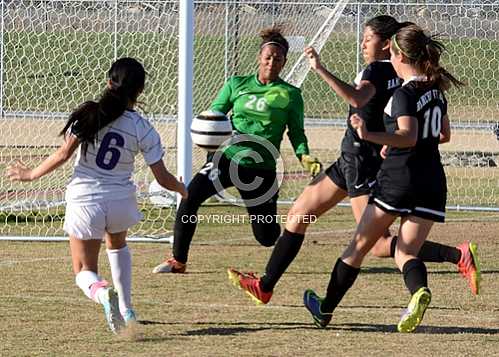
(311, 164)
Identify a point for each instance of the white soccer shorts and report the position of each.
(92, 221)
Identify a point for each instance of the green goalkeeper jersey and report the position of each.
(263, 110)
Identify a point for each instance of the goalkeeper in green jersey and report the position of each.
(263, 106)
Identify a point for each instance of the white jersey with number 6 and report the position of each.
(105, 172)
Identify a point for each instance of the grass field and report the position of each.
(201, 314)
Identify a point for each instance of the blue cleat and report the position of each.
(313, 303)
(130, 317)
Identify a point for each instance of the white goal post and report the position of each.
(54, 55)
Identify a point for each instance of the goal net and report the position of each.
(55, 54)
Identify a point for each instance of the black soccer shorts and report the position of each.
(356, 174)
(395, 193)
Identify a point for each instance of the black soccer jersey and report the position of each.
(428, 105)
(384, 78)
(411, 181)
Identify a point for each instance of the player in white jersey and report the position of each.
(100, 197)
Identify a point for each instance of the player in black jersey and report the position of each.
(411, 182)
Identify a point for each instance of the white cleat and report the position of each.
(109, 300)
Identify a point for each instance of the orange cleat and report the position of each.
(469, 265)
(250, 284)
(170, 266)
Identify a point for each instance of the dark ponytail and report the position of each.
(126, 81)
(424, 51)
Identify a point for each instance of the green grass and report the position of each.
(201, 314)
(55, 71)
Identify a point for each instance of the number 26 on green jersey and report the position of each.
(255, 103)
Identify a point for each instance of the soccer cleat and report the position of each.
(413, 315)
(313, 303)
(170, 266)
(109, 300)
(469, 265)
(250, 284)
(130, 317)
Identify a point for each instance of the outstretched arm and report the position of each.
(357, 96)
(166, 179)
(20, 172)
(296, 126)
(296, 134)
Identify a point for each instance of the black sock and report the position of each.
(285, 251)
(393, 245)
(415, 275)
(183, 230)
(342, 279)
(433, 252)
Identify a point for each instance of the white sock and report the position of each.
(86, 279)
(120, 261)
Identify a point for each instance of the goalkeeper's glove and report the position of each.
(311, 164)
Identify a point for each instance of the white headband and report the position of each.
(274, 43)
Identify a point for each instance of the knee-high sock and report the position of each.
(415, 275)
(433, 252)
(90, 283)
(120, 261)
(285, 251)
(200, 189)
(342, 279)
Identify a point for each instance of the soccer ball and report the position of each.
(210, 129)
